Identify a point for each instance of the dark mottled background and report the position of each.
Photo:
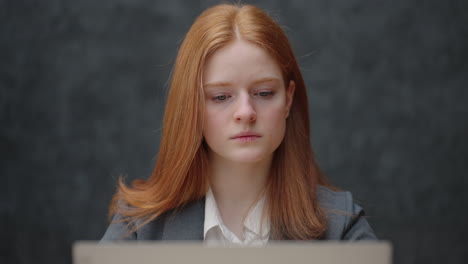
(82, 93)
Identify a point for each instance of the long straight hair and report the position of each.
(180, 173)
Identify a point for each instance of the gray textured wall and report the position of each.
(82, 92)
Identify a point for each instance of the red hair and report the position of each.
(179, 176)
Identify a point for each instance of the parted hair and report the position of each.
(180, 173)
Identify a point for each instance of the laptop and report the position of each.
(150, 252)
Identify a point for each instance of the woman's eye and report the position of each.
(265, 94)
(220, 98)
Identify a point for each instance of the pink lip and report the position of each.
(246, 136)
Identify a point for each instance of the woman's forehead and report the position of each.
(240, 61)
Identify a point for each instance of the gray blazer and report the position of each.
(346, 221)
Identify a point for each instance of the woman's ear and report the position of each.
(289, 96)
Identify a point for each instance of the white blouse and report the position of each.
(256, 230)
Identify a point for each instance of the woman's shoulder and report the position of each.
(346, 219)
(334, 199)
(119, 229)
(184, 223)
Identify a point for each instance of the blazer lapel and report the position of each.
(186, 223)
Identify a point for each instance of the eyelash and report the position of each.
(267, 94)
(262, 95)
(218, 100)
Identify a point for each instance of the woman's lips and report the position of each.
(246, 138)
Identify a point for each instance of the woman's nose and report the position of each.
(245, 111)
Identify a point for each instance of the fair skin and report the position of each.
(247, 105)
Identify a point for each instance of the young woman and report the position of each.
(235, 164)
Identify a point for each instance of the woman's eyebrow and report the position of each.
(216, 84)
(267, 79)
(224, 84)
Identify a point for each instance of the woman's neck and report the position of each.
(236, 187)
(238, 182)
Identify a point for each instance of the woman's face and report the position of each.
(247, 103)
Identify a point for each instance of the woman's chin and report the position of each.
(241, 156)
(250, 158)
